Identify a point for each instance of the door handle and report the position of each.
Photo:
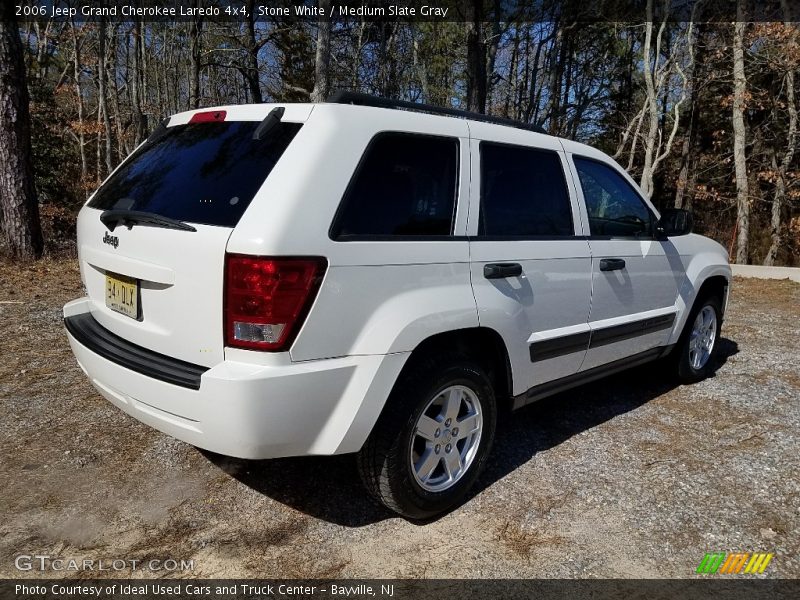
(502, 270)
(611, 264)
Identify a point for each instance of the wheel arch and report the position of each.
(482, 344)
(713, 281)
(715, 285)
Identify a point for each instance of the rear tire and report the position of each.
(432, 438)
(695, 354)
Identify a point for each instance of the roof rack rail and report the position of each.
(345, 97)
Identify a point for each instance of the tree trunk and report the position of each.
(554, 80)
(535, 95)
(321, 78)
(419, 66)
(103, 92)
(782, 169)
(251, 70)
(511, 89)
(136, 93)
(491, 50)
(76, 67)
(686, 158)
(566, 69)
(195, 26)
(684, 190)
(476, 58)
(21, 229)
(646, 182)
(356, 74)
(739, 159)
(122, 144)
(43, 50)
(780, 186)
(527, 86)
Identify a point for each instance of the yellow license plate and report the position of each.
(122, 295)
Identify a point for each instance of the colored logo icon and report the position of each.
(734, 563)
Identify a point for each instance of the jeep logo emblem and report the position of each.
(111, 240)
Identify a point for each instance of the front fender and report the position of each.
(702, 259)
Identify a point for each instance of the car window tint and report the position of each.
(523, 193)
(200, 172)
(405, 185)
(614, 207)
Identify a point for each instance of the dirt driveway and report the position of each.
(628, 477)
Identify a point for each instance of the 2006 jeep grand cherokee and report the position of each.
(294, 279)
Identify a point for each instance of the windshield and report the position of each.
(201, 173)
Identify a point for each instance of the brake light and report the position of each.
(209, 116)
(267, 299)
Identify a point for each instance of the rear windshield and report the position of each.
(201, 173)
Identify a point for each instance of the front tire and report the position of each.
(696, 351)
(432, 438)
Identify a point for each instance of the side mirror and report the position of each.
(674, 221)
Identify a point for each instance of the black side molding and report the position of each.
(626, 331)
(89, 333)
(579, 342)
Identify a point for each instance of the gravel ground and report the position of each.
(629, 477)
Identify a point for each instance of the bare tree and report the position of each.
(687, 175)
(493, 45)
(22, 232)
(656, 77)
(195, 27)
(77, 71)
(476, 57)
(136, 85)
(781, 171)
(619, 86)
(739, 158)
(252, 48)
(321, 77)
(556, 71)
(102, 93)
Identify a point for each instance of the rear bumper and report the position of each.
(241, 409)
(87, 332)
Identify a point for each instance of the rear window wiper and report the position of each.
(269, 123)
(160, 132)
(129, 218)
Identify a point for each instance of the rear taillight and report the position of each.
(267, 299)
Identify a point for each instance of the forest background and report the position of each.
(702, 110)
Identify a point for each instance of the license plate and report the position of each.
(122, 294)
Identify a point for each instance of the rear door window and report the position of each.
(203, 173)
(405, 186)
(523, 193)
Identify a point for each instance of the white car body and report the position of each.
(379, 300)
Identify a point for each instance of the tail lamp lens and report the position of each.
(267, 299)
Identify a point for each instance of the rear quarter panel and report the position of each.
(377, 297)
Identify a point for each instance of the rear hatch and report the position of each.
(153, 265)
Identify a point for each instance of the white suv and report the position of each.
(366, 276)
